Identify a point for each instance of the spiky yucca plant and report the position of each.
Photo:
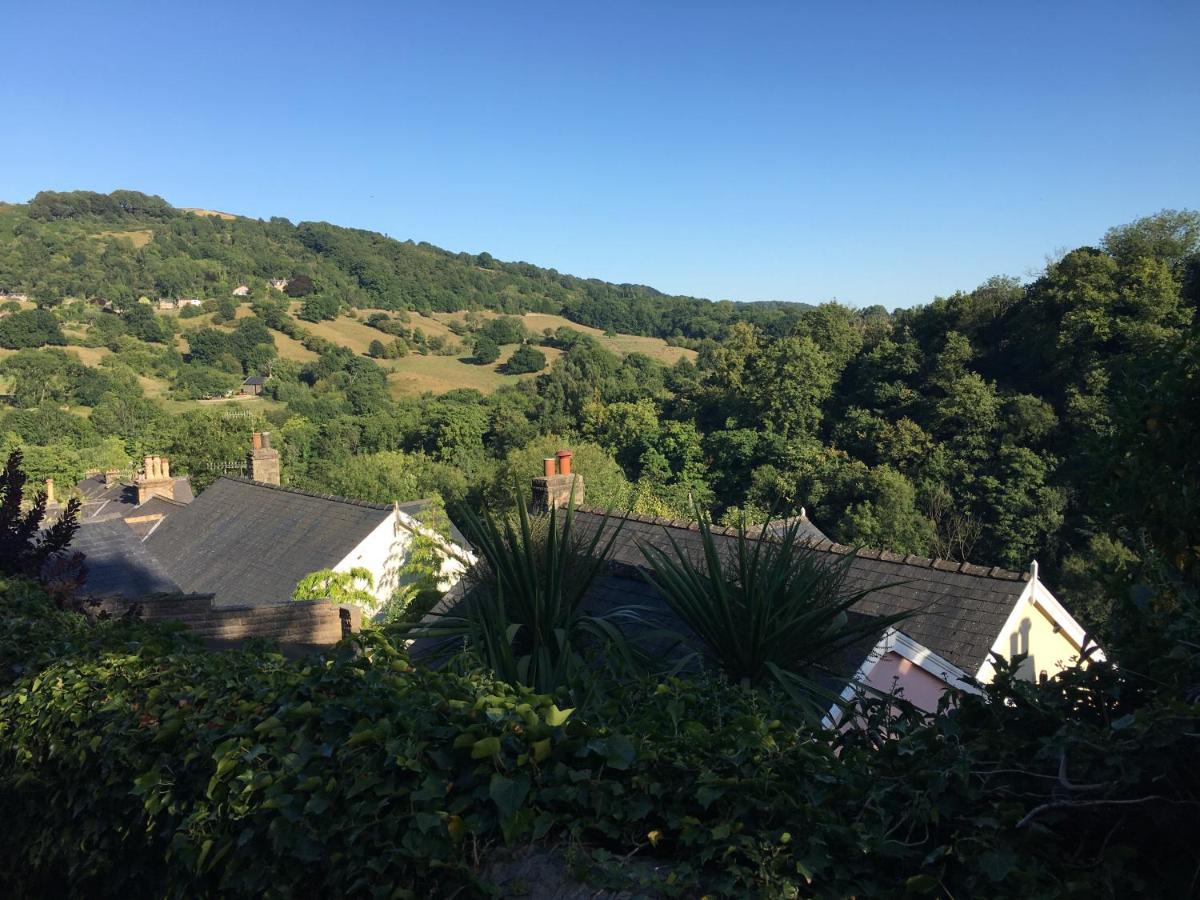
(524, 615)
(768, 609)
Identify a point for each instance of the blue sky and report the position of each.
(872, 152)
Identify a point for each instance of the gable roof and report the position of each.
(249, 542)
(254, 379)
(117, 563)
(959, 608)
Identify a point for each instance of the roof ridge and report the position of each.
(827, 546)
(288, 489)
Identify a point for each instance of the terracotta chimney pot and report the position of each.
(564, 462)
(256, 440)
(548, 466)
(50, 492)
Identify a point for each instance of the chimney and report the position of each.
(264, 462)
(155, 479)
(554, 489)
(50, 501)
(111, 477)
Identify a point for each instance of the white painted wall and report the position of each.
(385, 550)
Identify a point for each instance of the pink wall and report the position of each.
(918, 687)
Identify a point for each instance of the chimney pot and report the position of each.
(548, 466)
(256, 440)
(50, 492)
(564, 462)
(166, 467)
(266, 440)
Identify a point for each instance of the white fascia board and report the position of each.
(894, 641)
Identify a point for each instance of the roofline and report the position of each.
(910, 559)
(1039, 595)
(896, 641)
(287, 489)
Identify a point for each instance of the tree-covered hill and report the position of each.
(89, 245)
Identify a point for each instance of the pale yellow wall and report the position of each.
(1031, 631)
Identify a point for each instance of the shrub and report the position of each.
(526, 359)
(486, 350)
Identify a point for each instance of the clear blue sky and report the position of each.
(877, 152)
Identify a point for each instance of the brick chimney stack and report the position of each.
(155, 479)
(264, 460)
(554, 489)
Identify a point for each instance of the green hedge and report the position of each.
(134, 763)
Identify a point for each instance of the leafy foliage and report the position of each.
(134, 763)
(24, 546)
(350, 587)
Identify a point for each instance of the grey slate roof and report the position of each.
(118, 565)
(959, 608)
(102, 502)
(246, 542)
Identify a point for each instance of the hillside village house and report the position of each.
(278, 284)
(961, 613)
(243, 542)
(241, 290)
(250, 542)
(253, 385)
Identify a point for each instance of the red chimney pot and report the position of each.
(548, 466)
(564, 462)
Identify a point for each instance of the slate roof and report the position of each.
(118, 565)
(102, 502)
(959, 608)
(246, 542)
(255, 379)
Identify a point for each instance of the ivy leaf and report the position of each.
(508, 793)
(485, 747)
(997, 864)
(619, 752)
(921, 884)
(556, 716)
(707, 794)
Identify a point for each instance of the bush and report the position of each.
(526, 359)
(486, 350)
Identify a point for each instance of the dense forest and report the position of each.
(1055, 419)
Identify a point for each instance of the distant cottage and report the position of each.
(253, 385)
(241, 290)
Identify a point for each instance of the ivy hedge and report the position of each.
(134, 763)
